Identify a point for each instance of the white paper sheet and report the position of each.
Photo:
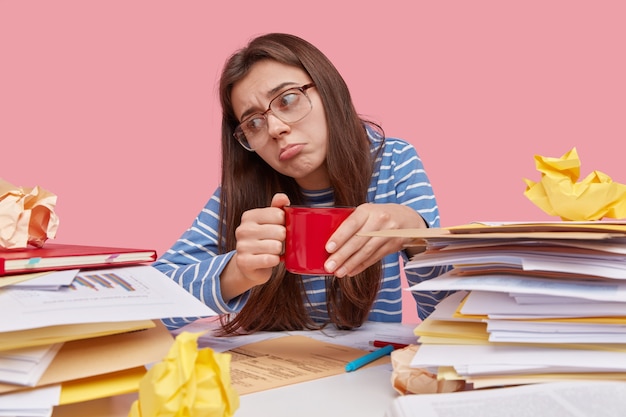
(509, 356)
(606, 266)
(613, 291)
(499, 305)
(103, 295)
(26, 366)
(49, 281)
(37, 402)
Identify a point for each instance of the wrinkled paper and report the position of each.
(27, 216)
(559, 193)
(189, 382)
(407, 380)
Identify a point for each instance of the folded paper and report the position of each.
(559, 193)
(189, 382)
(27, 216)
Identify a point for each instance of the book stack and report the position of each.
(80, 323)
(535, 302)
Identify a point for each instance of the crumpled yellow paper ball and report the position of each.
(559, 193)
(27, 216)
(189, 382)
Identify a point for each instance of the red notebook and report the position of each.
(56, 256)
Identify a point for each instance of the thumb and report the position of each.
(280, 200)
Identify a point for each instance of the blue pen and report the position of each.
(370, 357)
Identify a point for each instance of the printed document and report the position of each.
(555, 399)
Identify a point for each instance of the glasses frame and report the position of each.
(239, 134)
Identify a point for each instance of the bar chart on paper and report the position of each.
(88, 288)
(110, 281)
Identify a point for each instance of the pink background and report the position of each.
(112, 105)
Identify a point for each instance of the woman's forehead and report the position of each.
(264, 76)
(264, 80)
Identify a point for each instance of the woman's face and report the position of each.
(298, 149)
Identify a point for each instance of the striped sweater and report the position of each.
(195, 263)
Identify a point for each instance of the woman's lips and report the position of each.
(290, 151)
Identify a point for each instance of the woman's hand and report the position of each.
(260, 238)
(352, 254)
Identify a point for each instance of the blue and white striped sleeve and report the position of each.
(413, 188)
(195, 264)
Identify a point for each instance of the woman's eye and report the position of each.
(255, 123)
(288, 99)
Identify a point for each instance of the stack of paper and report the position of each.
(75, 335)
(536, 302)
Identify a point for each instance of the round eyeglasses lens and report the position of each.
(291, 106)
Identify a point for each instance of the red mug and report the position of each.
(308, 231)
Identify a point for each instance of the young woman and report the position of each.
(291, 135)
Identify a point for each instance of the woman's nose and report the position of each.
(275, 126)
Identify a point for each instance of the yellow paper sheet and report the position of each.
(101, 386)
(447, 373)
(503, 380)
(459, 330)
(67, 332)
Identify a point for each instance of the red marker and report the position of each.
(382, 343)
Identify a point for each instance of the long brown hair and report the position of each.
(249, 182)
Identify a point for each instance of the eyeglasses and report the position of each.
(290, 106)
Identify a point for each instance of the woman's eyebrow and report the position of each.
(279, 88)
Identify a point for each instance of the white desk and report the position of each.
(364, 392)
